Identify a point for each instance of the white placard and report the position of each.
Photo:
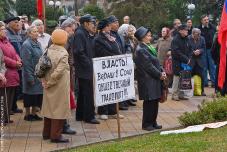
(113, 79)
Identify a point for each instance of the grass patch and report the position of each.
(207, 141)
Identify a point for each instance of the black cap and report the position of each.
(112, 19)
(102, 24)
(183, 27)
(87, 18)
(12, 18)
(141, 32)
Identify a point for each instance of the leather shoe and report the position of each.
(183, 98)
(28, 118)
(60, 140)
(203, 94)
(46, 137)
(149, 128)
(156, 126)
(68, 131)
(10, 121)
(37, 118)
(123, 108)
(93, 121)
(130, 103)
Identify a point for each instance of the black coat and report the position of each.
(215, 50)
(181, 53)
(200, 45)
(83, 53)
(120, 40)
(208, 34)
(104, 47)
(148, 71)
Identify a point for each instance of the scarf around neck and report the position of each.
(109, 37)
(151, 49)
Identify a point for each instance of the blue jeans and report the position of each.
(209, 66)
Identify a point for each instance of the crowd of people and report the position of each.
(69, 82)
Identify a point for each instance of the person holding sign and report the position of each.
(149, 76)
(106, 45)
(83, 54)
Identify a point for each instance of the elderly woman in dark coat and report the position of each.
(32, 87)
(198, 47)
(106, 45)
(149, 76)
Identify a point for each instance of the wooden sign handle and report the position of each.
(118, 121)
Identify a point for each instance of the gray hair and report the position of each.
(67, 23)
(37, 22)
(30, 29)
(2, 24)
(123, 30)
(196, 30)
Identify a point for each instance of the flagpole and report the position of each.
(44, 14)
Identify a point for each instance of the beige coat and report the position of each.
(56, 98)
(163, 46)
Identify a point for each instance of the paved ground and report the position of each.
(26, 136)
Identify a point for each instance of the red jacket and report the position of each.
(10, 59)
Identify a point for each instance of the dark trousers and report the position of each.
(53, 128)
(6, 95)
(107, 110)
(150, 112)
(18, 93)
(85, 103)
(197, 70)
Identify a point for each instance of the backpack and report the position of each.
(43, 66)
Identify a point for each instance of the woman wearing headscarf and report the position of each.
(106, 45)
(163, 45)
(9, 77)
(56, 94)
(31, 51)
(149, 76)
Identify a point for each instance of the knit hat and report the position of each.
(59, 37)
(183, 27)
(102, 24)
(112, 19)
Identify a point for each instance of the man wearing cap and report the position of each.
(83, 54)
(13, 33)
(43, 38)
(180, 54)
(114, 25)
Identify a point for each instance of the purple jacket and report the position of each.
(10, 59)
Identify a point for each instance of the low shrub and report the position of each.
(208, 112)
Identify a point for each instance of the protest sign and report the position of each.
(113, 79)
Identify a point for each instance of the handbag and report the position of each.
(168, 66)
(43, 66)
(185, 80)
(165, 91)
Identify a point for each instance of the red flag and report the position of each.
(222, 37)
(40, 9)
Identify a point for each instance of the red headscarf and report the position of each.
(167, 31)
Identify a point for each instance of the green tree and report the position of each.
(26, 7)
(93, 10)
(53, 13)
(158, 13)
(6, 8)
